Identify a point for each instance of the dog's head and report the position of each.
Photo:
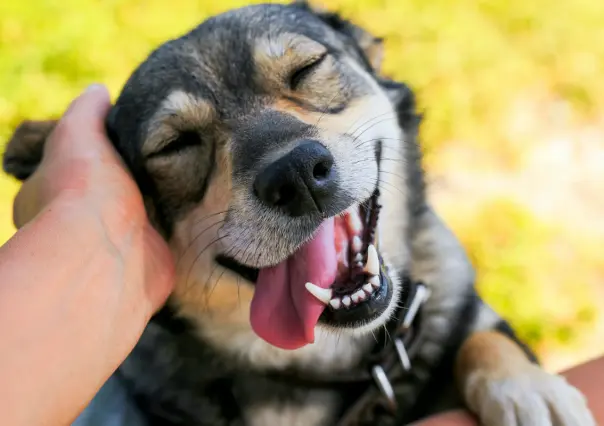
(271, 158)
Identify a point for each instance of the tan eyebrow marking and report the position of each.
(276, 57)
(180, 111)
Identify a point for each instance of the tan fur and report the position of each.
(180, 111)
(374, 50)
(372, 47)
(491, 352)
(503, 388)
(289, 107)
(278, 57)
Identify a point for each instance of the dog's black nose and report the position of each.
(302, 182)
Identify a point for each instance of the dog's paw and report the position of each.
(531, 398)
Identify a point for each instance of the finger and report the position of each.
(80, 133)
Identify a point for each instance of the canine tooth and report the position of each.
(346, 301)
(357, 244)
(359, 258)
(336, 303)
(373, 262)
(322, 294)
(375, 281)
(360, 264)
(368, 288)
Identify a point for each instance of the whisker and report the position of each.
(357, 137)
(393, 174)
(375, 117)
(201, 253)
(363, 142)
(197, 221)
(195, 239)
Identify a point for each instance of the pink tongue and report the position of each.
(283, 312)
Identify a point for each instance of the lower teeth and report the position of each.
(325, 295)
(358, 295)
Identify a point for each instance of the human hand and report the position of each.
(82, 275)
(82, 173)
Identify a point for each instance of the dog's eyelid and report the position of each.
(182, 141)
(302, 71)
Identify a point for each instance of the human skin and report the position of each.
(80, 278)
(587, 377)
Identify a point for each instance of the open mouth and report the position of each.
(338, 278)
(361, 291)
(358, 260)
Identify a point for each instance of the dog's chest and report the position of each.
(297, 408)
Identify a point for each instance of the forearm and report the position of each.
(50, 371)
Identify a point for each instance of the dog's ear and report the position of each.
(25, 148)
(371, 47)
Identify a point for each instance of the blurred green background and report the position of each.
(513, 97)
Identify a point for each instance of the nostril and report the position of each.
(322, 170)
(284, 195)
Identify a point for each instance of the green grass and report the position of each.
(468, 60)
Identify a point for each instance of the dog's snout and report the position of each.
(302, 182)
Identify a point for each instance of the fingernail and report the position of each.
(93, 88)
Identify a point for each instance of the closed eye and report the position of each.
(301, 73)
(184, 141)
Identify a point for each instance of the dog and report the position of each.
(315, 285)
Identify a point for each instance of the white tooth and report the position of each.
(359, 258)
(354, 220)
(373, 262)
(368, 288)
(323, 294)
(354, 297)
(360, 295)
(357, 244)
(360, 264)
(375, 281)
(346, 301)
(335, 303)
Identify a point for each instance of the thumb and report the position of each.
(78, 137)
(80, 133)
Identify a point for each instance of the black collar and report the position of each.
(389, 360)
